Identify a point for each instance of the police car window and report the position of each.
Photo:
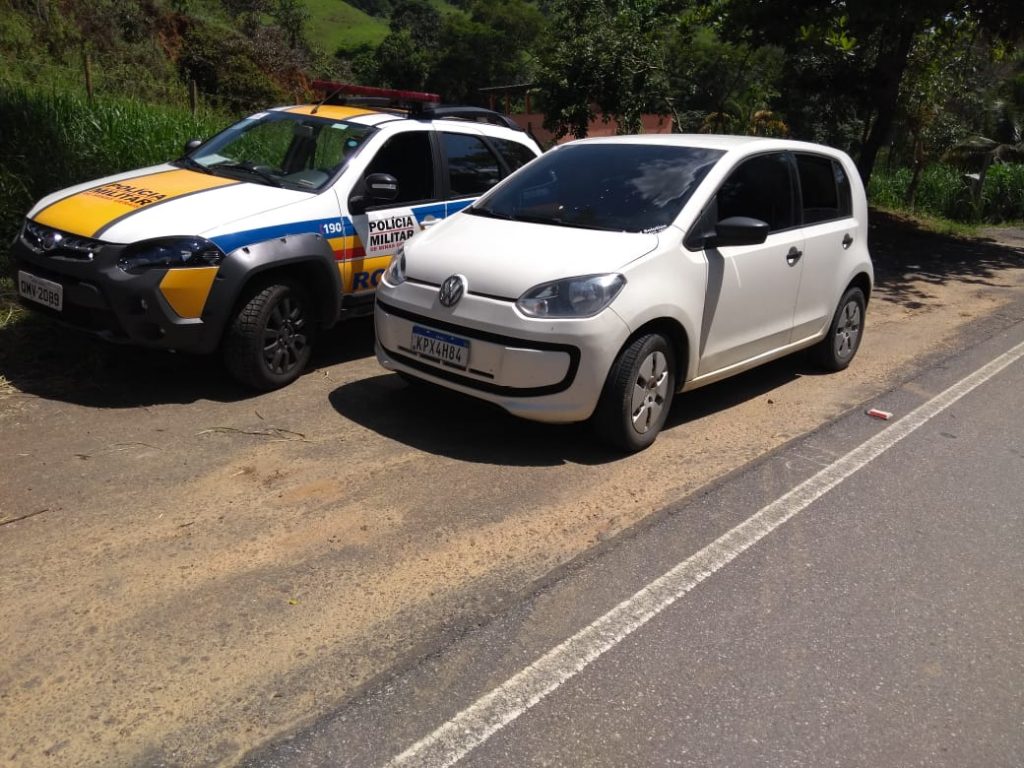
(265, 144)
(335, 144)
(281, 149)
(516, 155)
(818, 188)
(472, 167)
(759, 188)
(408, 157)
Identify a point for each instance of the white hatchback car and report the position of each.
(609, 274)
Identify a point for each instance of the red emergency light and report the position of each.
(347, 89)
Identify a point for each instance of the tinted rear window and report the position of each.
(824, 187)
(618, 187)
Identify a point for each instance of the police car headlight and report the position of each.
(395, 273)
(169, 253)
(572, 297)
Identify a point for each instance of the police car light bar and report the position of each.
(347, 89)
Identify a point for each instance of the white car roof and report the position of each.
(726, 143)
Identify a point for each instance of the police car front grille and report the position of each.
(59, 245)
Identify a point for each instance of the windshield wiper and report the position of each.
(192, 165)
(488, 213)
(557, 222)
(249, 167)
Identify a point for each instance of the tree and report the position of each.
(419, 18)
(880, 34)
(407, 56)
(291, 16)
(493, 45)
(720, 86)
(603, 55)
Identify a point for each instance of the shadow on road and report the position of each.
(445, 423)
(41, 357)
(905, 254)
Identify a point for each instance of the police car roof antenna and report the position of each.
(330, 95)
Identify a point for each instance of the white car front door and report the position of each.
(752, 290)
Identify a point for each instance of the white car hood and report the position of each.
(506, 258)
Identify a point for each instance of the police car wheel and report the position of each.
(270, 339)
(637, 394)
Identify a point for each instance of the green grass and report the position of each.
(10, 310)
(931, 223)
(53, 140)
(335, 25)
(944, 193)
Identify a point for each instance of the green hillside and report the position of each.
(337, 25)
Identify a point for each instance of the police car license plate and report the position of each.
(45, 292)
(440, 347)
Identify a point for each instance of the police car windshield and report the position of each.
(615, 187)
(281, 149)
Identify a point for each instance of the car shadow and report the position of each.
(44, 358)
(457, 426)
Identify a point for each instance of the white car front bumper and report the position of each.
(544, 370)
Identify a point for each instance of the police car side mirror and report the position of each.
(381, 187)
(192, 144)
(377, 189)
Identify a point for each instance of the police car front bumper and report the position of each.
(83, 287)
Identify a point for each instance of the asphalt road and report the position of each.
(872, 617)
(190, 571)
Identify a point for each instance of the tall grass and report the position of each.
(945, 192)
(1003, 195)
(53, 140)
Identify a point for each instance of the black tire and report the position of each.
(837, 350)
(637, 394)
(270, 338)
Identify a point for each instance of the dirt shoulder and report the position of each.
(188, 571)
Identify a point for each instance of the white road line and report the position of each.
(496, 709)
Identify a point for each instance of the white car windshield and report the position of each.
(615, 187)
(282, 149)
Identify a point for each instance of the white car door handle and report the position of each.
(429, 221)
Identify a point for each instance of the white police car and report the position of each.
(611, 273)
(275, 228)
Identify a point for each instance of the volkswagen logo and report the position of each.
(451, 290)
(50, 240)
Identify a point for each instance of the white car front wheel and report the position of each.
(637, 394)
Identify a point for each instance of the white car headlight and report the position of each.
(572, 297)
(395, 273)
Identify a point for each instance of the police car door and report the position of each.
(411, 157)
